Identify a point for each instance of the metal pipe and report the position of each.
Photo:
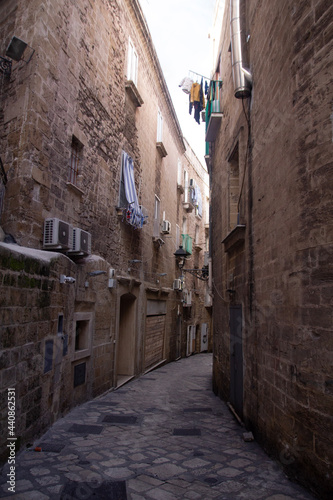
(241, 75)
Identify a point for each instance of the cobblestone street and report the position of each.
(163, 436)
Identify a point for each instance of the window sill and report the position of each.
(84, 353)
(161, 149)
(74, 188)
(133, 93)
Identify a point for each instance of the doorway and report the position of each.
(126, 339)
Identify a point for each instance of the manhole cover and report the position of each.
(104, 403)
(120, 419)
(187, 432)
(190, 410)
(109, 490)
(86, 429)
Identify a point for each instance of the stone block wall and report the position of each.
(282, 271)
(31, 299)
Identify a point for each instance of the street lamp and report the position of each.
(181, 254)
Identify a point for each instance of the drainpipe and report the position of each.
(241, 75)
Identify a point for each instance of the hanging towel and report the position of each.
(195, 92)
(134, 213)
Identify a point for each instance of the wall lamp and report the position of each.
(66, 279)
(15, 51)
(181, 255)
(92, 274)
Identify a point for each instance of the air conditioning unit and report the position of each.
(187, 300)
(178, 285)
(58, 235)
(166, 227)
(81, 242)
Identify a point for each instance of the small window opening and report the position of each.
(75, 164)
(81, 335)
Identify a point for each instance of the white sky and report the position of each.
(179, 29)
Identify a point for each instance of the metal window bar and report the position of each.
(75, 162)
(3, 182)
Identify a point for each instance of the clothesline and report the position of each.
(205, 77)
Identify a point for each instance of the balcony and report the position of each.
(187, 243)
(133, 93)
(213, 111)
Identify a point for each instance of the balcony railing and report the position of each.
(213, 110)
(187, 243)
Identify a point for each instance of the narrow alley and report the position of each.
(162, 436)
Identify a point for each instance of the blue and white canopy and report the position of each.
(134, 214)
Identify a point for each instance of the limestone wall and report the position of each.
(280, 266)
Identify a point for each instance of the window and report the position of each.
(184, 225)
(132, 63)
(81, 335)
(185, 187)
(157, 217)
(179, 173)
(75, 163)
(159, 126)
(197, 230)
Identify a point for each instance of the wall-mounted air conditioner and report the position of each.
(177, 284)
(166, 227)
(58, 235)
(187, 299)
(81, 242)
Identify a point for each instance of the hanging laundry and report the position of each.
(186, 85)
(134, 215)
(197, 100)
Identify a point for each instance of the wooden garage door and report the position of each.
(155, 327)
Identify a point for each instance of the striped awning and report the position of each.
(134, 214)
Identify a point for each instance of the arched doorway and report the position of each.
(126, 339)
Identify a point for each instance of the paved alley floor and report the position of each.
(162, 436)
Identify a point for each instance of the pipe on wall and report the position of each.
(241, 75)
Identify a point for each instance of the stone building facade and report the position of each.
(91, 210)
(270, 165)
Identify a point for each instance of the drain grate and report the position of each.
(52, 447)
(120, 419)
(192, 410)
(211, 480)
(108, 490)
(86, 429)
(104, 403)
(187, 432)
